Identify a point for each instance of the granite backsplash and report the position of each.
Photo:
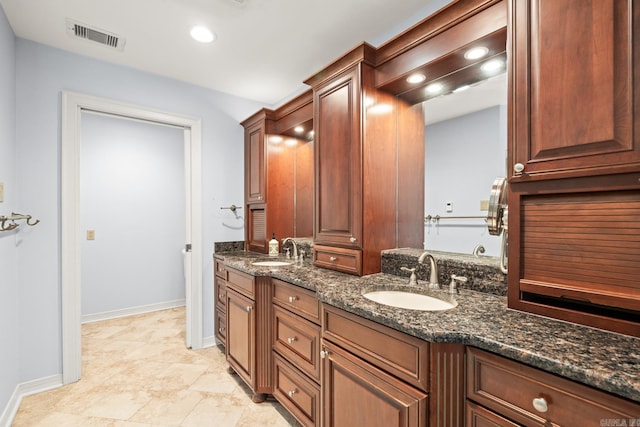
(483, 272)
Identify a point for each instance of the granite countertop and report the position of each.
(601, 359)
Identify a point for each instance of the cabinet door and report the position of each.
(338, 219)
(240, 348)
(254, 163)
(573, 87)
(357, 394)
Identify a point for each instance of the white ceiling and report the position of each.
(264, 48)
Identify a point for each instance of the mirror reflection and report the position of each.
(465, 151)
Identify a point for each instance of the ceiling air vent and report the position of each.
(83, 31)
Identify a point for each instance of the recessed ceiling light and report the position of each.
(202, 34)
(461, 88)
(416, 78)
(298, 129)
(434, 88)
(476, 52)
(492, 66)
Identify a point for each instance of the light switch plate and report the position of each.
(1, 192)
(91, 234)
(484, 205)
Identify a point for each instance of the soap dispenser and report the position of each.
(273, 246)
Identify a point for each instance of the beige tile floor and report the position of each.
(137, 372)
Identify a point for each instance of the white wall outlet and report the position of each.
(1, 192)
(484, 205)
(449, 207)
(91, 234)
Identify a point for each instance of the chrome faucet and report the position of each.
(453, 286)
(294, 244)
(433, 276)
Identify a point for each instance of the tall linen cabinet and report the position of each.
(364, 138)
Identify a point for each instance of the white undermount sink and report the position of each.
(271, 263)
(410, 300)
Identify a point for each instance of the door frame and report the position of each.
(72, 106)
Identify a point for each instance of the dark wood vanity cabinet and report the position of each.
(296, 347)
(248, 330)
(377, 376)
(574, 202)
(502, 392)
(220, 303)
(359, 207)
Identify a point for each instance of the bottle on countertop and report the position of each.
(273, 246)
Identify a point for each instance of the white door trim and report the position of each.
(72, 106)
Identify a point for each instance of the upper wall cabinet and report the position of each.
(575, 86)
(574, 204)
(256, 129)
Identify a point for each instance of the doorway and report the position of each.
(73, 106)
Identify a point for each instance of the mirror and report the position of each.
(290, 177)
(465, 151)
(463, 93)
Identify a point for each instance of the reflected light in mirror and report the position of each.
(298, 129)
(461, 88)
(275, 139)
(493, 66)
(435, 88)
(291, 142)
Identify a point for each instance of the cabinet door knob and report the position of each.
(332, 259)
(249, 308)
(293, 299)
(324, 354)
(540, 404)
(518, 168)
(292, 392)
(292, 340)
(352, 239)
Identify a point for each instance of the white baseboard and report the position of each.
(209, 342)
(26, 389)
(106, 315)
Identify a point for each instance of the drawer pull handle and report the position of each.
(352, 239)
(249, 308)
(540, 404)
(293, 299)
(324, 354)
(332, 259)
(292, 392)
(292, 340)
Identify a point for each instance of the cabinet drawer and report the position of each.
(298, 341)
(241, 282)
(400, 354)
(220, 324)
(297, 393)
(299, 300)
(221, 292)
(219, 268)
(339, 259)
(477, 416)
(510, 389)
